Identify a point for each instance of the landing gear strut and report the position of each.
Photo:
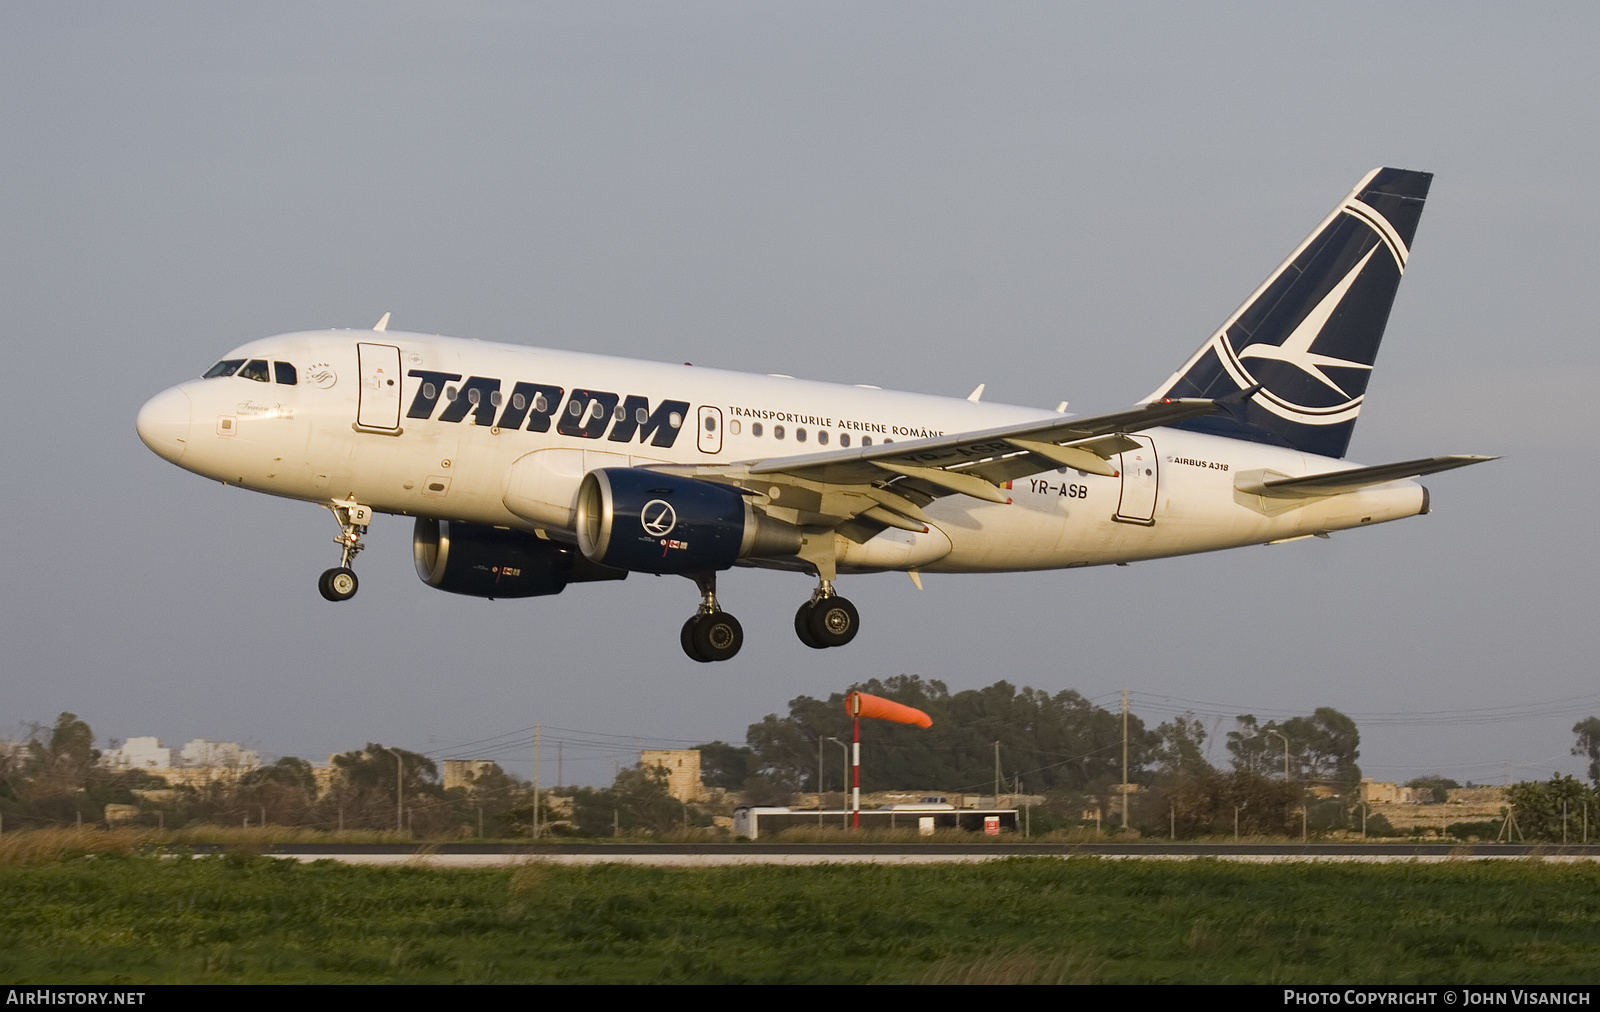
(340, 583)
(711, 634)
(827, 620)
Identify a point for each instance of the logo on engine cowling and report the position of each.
(658, 518)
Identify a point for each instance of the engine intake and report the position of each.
(650, 522)
(491, 562)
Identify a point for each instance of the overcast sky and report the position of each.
(1057, 200)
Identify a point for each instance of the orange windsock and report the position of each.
(859, 704)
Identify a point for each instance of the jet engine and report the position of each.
(483, 561)
(650, 522)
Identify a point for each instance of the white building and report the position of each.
(138, 754)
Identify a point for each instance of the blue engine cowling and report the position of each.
(482, 561)
(649, 522)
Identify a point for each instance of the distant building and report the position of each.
(1375, 792)
(463, 772)
(683, 771)
(138, 754)
(203, 753)
(198, 763)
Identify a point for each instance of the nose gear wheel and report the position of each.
(340, 583)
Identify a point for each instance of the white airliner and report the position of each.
(529, 469)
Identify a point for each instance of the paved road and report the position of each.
(705, 855)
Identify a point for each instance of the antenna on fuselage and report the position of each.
(976, 393)
(382, 324)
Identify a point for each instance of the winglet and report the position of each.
(382, 324)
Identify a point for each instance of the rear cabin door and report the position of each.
(379, 410)
(1141, 473)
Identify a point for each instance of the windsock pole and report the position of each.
(855, 779)
(858, 705)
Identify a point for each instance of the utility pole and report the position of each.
(1124, 758)
(997, 774)
(535, 781)
(820, 740)
(399, 789)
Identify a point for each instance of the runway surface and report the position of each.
(474, 855)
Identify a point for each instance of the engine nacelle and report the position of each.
(492, 562)
(650, 522)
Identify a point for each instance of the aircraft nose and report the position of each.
(163, 423)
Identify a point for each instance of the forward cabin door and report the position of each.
(1141, 473)
(379, 410)
(710, 429)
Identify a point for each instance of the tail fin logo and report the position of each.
(1296, 348)
(1308, 337)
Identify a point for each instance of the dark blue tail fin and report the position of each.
(1310, 334)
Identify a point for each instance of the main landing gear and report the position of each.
(827, 620)
(340, 583)
(711, 634)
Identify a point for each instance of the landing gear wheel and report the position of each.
(338, 584)
(802, 627)
(717, 636)
(686, 639)
(714, 637)
(834, 621)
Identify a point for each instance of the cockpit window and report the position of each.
(285, 373)
(227, 367)
(256, 369)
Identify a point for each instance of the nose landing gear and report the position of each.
(340, 583)
(711, 634)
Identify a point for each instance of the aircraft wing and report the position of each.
(887, 485)
(1312, 486)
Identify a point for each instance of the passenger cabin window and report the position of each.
(227, 367)
(777, 432)
(844, 439)
(822, 437)
(256, 369)
(285, 373)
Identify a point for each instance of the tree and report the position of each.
(1323, 748)
(723, 765)
(1438, 787)
(1539, 807)
(636, 801)
(364, 786)
(1588, 732)
(1181, 751)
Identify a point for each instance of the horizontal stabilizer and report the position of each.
(1312, 486)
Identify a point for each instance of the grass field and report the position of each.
(109, 918)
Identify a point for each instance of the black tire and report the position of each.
(686, 639)
(338, 584)
(802, 627)
(834, 621)
(718, 636)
